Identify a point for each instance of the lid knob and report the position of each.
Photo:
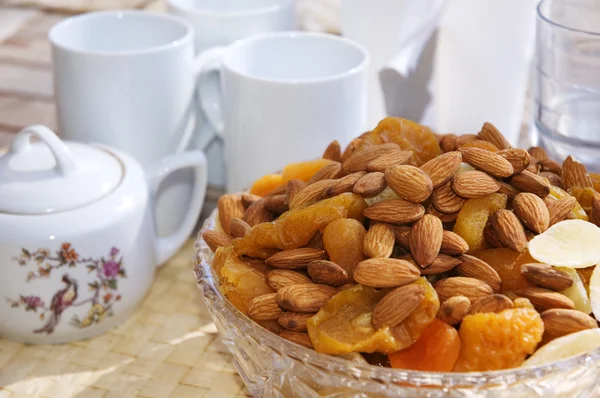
(65, 165)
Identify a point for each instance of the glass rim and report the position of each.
(542, 17)
(210, 290)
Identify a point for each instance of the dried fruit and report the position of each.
(264, 308)
(266, 184)
(435, 351)
(493, 303)
(385, 272)
(474, 184)
(507, 264)
(397, 305)
(453, 310)
(409, 182)
(509, 230)
(280, 278)
(474, 216)
(309, 297)
(426, 240)
(379, 241)
(471, 288)
(343, 242)
(303, 170)
(560, 322)
(488, 162)
(532, 211)
(595, 292)
(492, 341)
(473, 267)
(327, 272)
(395, 211)
(569, 243)
(565, 347)
(441, 169)
(544, 275)
(577, 291)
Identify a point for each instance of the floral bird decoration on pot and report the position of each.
(105, 273)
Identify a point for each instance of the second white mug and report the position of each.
(284, 97)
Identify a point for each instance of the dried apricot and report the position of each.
(473, 217)
(578, 212)
(408, 135)
(435, 351)
(303, 170)
(266, 184)
(343, 242)
(595, 180)
(507, 264)
(295, 228)
(494, 341)
(584, 197)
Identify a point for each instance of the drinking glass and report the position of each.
(567, 79)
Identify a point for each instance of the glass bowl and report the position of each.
(274, 367)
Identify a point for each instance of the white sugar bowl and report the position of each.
(78, 247)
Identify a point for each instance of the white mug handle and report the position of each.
(209, 61)
(168, 245)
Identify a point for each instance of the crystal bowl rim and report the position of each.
(208, 286)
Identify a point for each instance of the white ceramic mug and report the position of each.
(221, 22)
(284, 97)
(127, 79)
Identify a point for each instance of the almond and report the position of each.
(453, 244)
(442, 168)
(277, 204)
(532, 211)
(574, 174)
(534, 168)
(256, 213)
(388, 160)
(294, 258)
(507, 190)
(238, 227)
(327, 272)
(445, 200)
(545, 299)
(345, 184)
(560, 209)
(248, 198)
(216, 239)
(509, 230)
(471, 288)
(444, 217)
(230, 206)
(551, 166)
(327, 172)
(397, 305)
(426, 240)
(488, 162)
(442, 263)
(359, 160)
(292, 189)
(296, 337)
(490, 133)
(448, 142)
(294, 321)
(526, 181)
(473, 267)
(546, 276)
(370, 184)
(464, 138)
(333, 151)
(409, 182)
(277, 190)
(518, 158)
(385, 272)
(402, 234)
(493, 303)
(596, 208)
(351, 149)
(304, 298)
(474, 184)
(379, 241)
(538, 153)
(553, 179)
(395, 211)
(312, 193)
(280, 278)
(453, 310)
(560, 322)
(264, 308)
(490, 236)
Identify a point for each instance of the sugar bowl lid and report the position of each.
(50, 175)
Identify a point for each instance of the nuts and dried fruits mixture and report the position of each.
(435, 252)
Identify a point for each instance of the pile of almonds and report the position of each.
(411, 211)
